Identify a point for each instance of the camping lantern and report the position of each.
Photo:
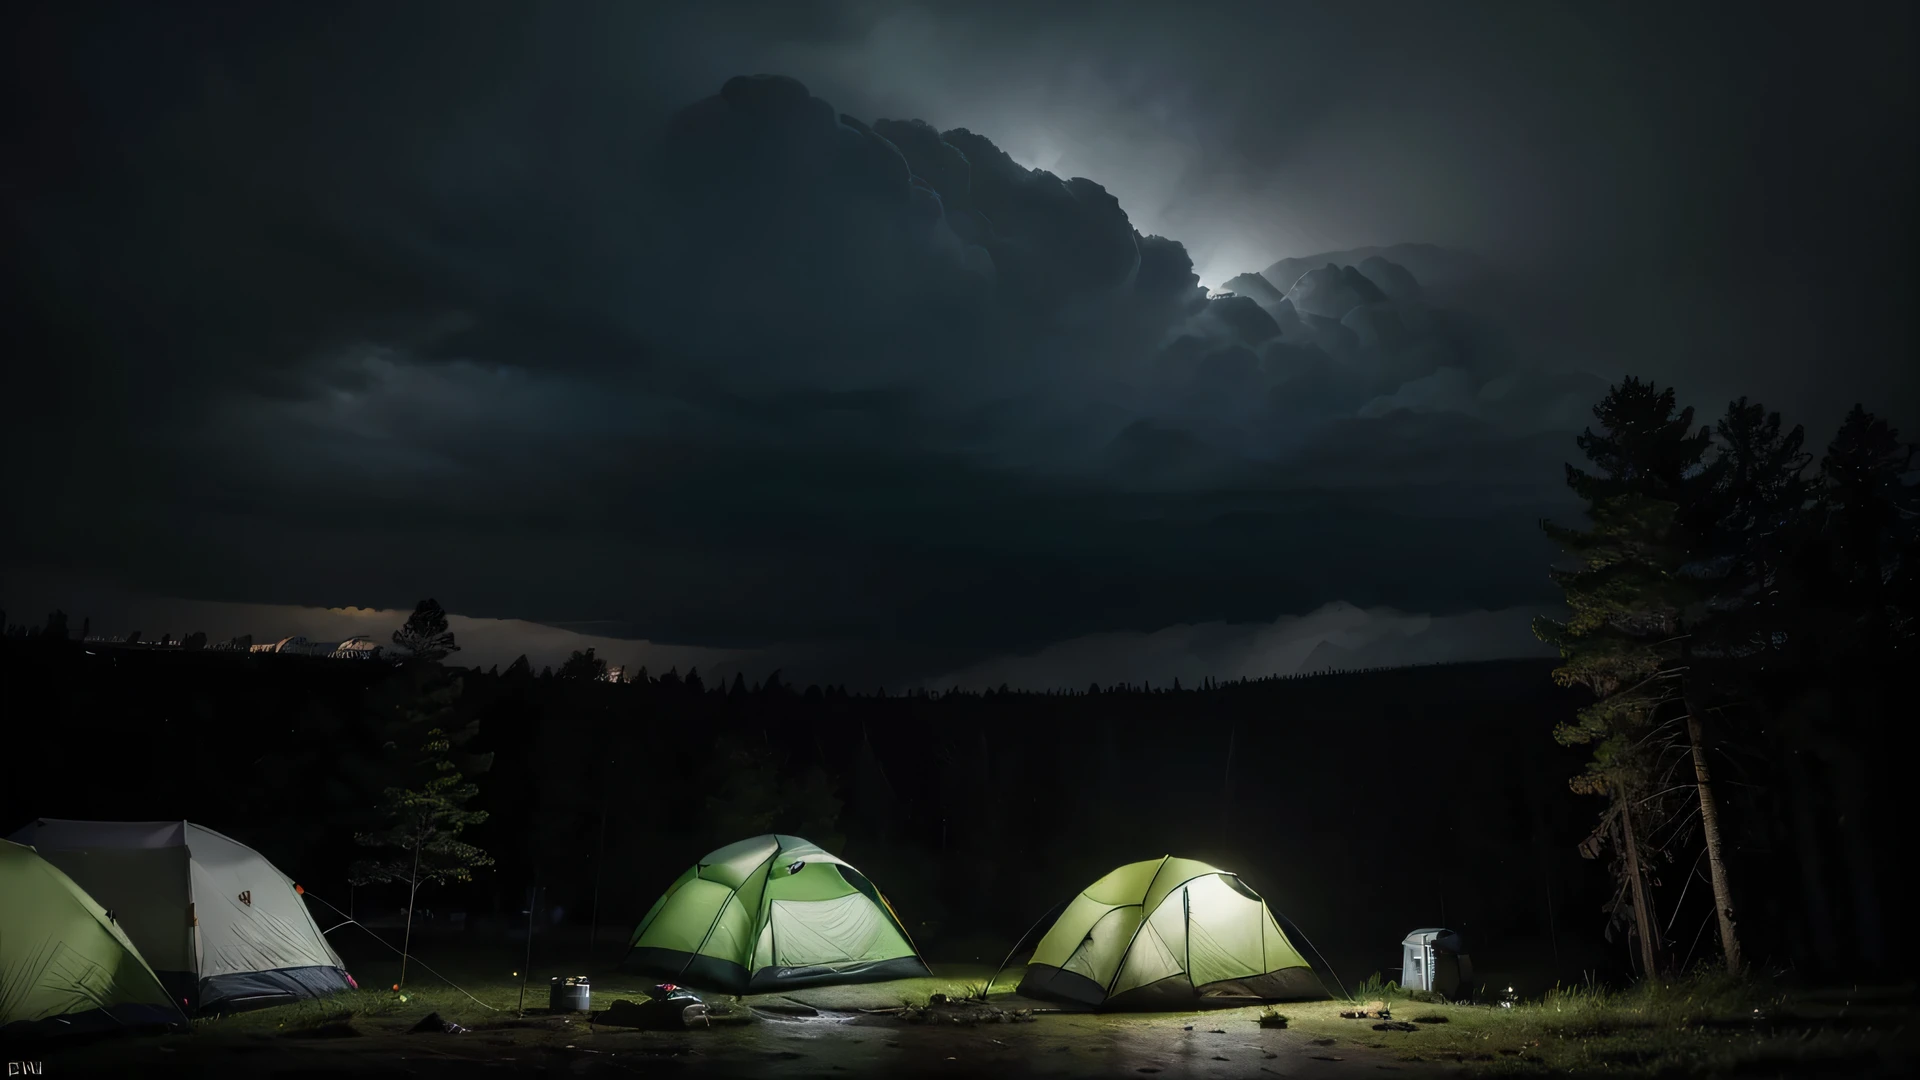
(1435, 960)
(571, 994)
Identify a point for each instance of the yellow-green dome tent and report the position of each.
(65, 965)
(773, 912)
(1163, 933)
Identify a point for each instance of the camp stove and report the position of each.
(572, 994)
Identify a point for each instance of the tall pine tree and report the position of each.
(1627, 599)
(1745, 510)
(1871, 510)
(1858, 625)
(424, 637)
(424, 809)
(1755, 498)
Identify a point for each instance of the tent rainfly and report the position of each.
(65, 965)
(222, 927)
(1162, 933)
(773, 912)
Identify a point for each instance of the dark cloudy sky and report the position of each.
(335, 306)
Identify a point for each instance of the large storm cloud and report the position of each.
(747, 373)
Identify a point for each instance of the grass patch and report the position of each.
(1373, 986)
(356, 1008)
(1706, 1024)
(921, 992)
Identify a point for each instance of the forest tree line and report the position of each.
(1741, 613)
(1738, 610)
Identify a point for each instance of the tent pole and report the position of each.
(1301, 934)
(1052, 913)
(1115, 981)
(599, 862)
(732, 896)
(413, 896)
(1186, 913)
(533, 904)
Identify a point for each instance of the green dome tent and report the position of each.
(65, 965)
(773, 912)
(1163, 933)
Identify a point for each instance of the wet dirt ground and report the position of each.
(822, 1033)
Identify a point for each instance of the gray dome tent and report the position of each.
(221, 926)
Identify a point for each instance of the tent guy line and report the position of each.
(397, 952)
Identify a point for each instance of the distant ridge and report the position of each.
(1517, 674)
(1326, 657)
